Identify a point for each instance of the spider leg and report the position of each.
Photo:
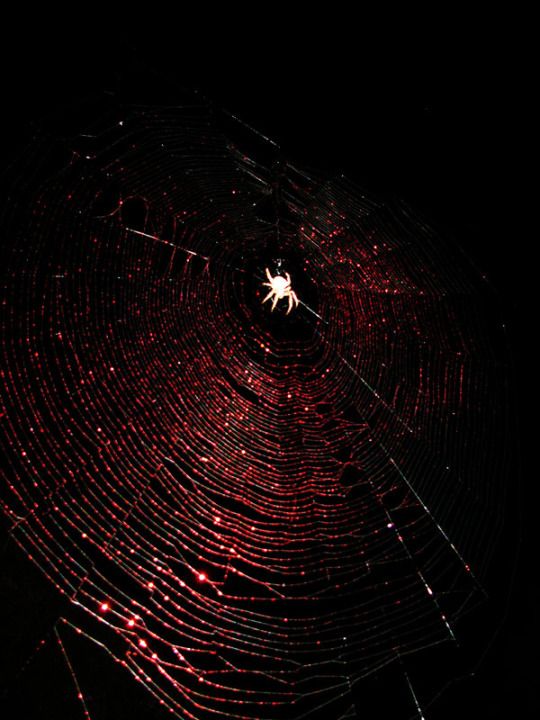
(292, 300)
(274, 303)
(290, 304)
(288, 278)
(268, 284)
(268, 274)
(268, 296)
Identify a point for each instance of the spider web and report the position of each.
(257, 514)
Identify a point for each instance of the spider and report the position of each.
(281, 288)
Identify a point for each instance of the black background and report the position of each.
(433, 111)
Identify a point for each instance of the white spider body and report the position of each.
(280, 287)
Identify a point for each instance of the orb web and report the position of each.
(253, 512)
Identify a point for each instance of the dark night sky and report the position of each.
(435, 116)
